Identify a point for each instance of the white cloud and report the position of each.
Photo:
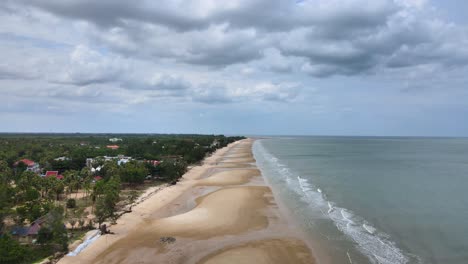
(87, 66)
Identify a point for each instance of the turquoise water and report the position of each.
(374, 199)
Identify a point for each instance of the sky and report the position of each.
(249, 67)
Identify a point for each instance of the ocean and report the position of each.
(373, 199)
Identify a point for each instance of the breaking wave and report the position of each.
(373, 243)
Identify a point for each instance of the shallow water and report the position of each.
(374, 200)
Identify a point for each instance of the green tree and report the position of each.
(57, 187)
(133, 172)
(105, 205)
(70, 180)
(11, 251)
(58, 229)
(6, 192)
(172, 170)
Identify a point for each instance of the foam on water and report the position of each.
(376, 245)
(88, 241)
(369, 228)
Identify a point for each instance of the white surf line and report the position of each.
(349, 257)
(88, 241)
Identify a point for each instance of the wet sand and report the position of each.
(221, 212)
(263, 252)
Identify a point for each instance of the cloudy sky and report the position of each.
(327, 67)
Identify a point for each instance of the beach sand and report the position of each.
(221, 212)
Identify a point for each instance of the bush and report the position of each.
(11, 251)
(71, 203)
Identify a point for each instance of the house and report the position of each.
(94, 170)
(89, 162)
(21, 234)
(29, 234)
(62, 158)
(115, 139)
(114, 147)
(30, 165)
(53, 174)
(121, 159)
(97, 178)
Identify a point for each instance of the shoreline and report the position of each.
(315, 245)
(223, 211)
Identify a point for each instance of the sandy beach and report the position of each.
(220, 212)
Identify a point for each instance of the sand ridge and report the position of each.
(262, 252)
(230, 177)
(237, 221)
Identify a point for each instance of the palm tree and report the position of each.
(81, 223)
(72, 222)
(58, 187)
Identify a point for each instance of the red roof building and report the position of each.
(97, 178)
(30, 165)
(51, 174)
(114, 147)
(54, 174)
(28, 162)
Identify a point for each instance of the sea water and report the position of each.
(373, 199)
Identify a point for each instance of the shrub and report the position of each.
(71, 203)
(11, 251)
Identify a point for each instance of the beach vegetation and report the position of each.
(79, 193)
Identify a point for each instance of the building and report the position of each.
(114, 147)
(28, 234)
(30, 165)
(21, 234)
(121, 159)
(97, 178)
(53, 174)
(115, 140)
(124, 160)
(62, 159)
